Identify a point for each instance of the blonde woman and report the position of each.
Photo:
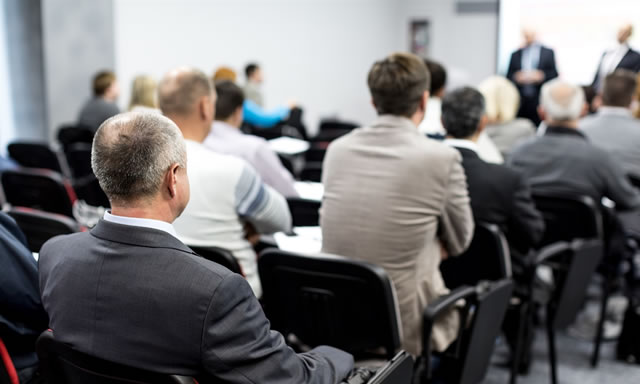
(143, 94)
(502, 101)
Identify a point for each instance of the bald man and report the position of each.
(227, 195)
(529, 68)
(619, 57)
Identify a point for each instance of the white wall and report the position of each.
(317, 52)
(7, 124)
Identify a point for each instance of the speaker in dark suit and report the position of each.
(620, 57)
(130, 292)
(529, 68)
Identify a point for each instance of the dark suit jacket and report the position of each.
(22, 317)
(630, 61)
(501, 196)
(546, 63)
(138, 296)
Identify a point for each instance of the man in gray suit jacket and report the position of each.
(130, 292)
(613, 128)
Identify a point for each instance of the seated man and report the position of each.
(226, 137)
(22, 318)
(226, 193)
(398, 199)
(103, 103)
(131, 293)
(613, 128)
(499, 195)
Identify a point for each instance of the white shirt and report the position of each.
(432, 122)
(611, 60)
(140, 222)
(461, 143)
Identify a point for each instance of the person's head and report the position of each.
(618, 89)
(399, 85)
(143, 92)
(529, 35)
(438, 77)
(186, 96)
(561, 103)
(223, 74)
(501, 98)
(229, 103)
(624, 32)
(636, 112)
(105, 85)
(140, 161)
(253, 73)
(463, 113)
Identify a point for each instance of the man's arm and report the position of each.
(238, 345)
(526, 225)
(550, 71)
(259, 204)
(456, 221)
(258, 116)
(514, 66)
(617, 186)
(273, 172)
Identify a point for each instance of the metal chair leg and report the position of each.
(520, 342)
(606, 292)
(552, 348)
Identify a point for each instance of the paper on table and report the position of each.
(288, 145)
(309, 190)
(306, 240)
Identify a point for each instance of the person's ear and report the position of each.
(423, 101)
(482, 124)
(238, 115)
(541, 113)
(171, 180)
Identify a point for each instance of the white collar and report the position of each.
(461, 143)
(140, 222)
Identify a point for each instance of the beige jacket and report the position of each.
(391, 197)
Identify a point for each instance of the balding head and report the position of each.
(529, 35)
(132, 152)
(180, 91)
(624, 32)
(561, 101)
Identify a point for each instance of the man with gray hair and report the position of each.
(131, 293)
(613, 128)
(227, 195)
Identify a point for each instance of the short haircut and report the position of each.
(250, 69)
(132, 152)
(177, 95)
(102, 81)
(438, 76)
(230, 98)
(501, 98)
(561, 101)
(397, 84)
(618, 88)
(224, 73)
(462, 110)
(143, 92)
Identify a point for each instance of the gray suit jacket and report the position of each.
(138, 296)
(616, 131)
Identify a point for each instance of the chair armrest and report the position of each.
(551, 250)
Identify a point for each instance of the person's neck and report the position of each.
(231, 123)
(144, 210)
(191, 129)
(571, 124)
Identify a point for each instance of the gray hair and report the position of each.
(462, 110)
(132, 152)
(180, 89)
(562, 101)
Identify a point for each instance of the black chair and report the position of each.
(331, 300)
(330, 130)
(70, 134)
(38, 188)
(304, 212)
(315, 154)
(78, 157)
(8, 374)
(397, 371)
(287, 163)
(40, 226)
(34, 155)
(635, 181)
(467, 360)
(220, 256)
(312, 172)
(487, 258)
(61, 364)
(88, 189)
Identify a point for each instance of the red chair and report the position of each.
(8, 374)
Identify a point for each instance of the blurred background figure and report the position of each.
(621, 56)
(253, 86)
(224, 73)
(502, 101)
(143, 94)
(103, 103)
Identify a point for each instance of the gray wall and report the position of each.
(26, 71)
(78, 40)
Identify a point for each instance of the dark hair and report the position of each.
(619, 87)
(177, 95)
(250, 69)
(230, 98)
(462, 110)
(438, 76)
(102, 81)
(397, 84)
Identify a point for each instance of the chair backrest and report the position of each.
(397, 371)
(568, 217)
(39, 226)
(330, 300)
(220, 256)
(34, 155)
(63, 365)
(8, 374)
(572, 282)
(88, 189)
(79, 159)
(487, 258)
(304, 212)
(71, 134)
(38, 188)
(312, 172)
